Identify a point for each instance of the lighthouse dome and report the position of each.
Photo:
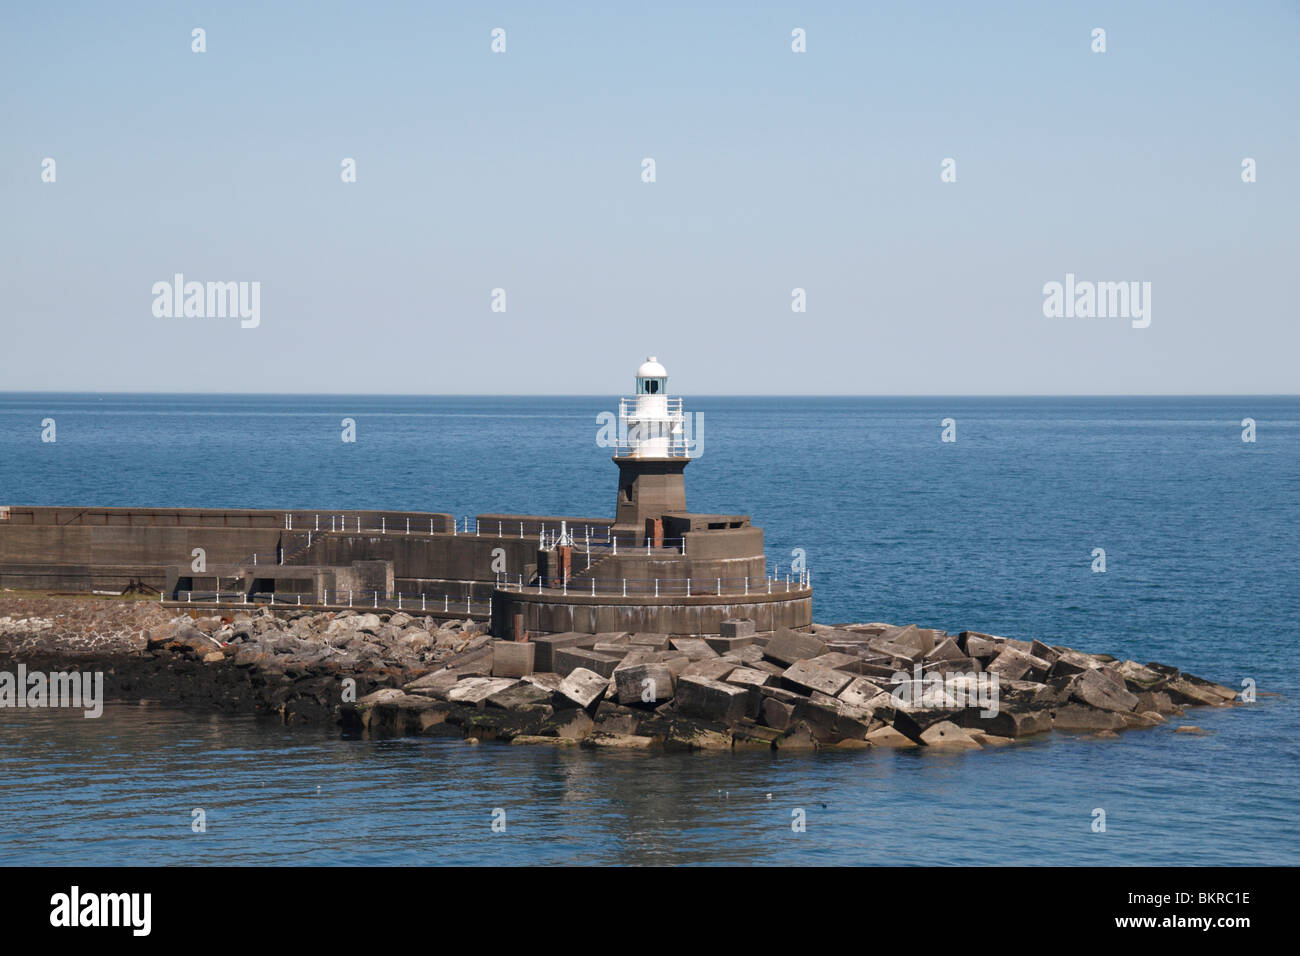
(651, 369)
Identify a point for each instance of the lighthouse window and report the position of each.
(652, 386)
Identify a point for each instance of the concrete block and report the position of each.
(889, 737)
(789, 647)
(547, 680)
(776, 714)
(568, 659)
(434, 685)
(695, 648)
(476, 690)
(748, 677)
(658, 642)
(832, 721)
(1081, 719)
(710, 699)
(544, 656)
(946, 650)
(520, 695)
(727, 645)
(737, 627)
(1006, 723)
(948, 736)
(584, 687)
(644, 684)
(806, 678)
(1102, 691)
(835, 660)
(512, 658)
(859, 692)
(715, 669)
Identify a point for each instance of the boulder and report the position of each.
(618, 741)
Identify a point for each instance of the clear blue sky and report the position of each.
(775, 170)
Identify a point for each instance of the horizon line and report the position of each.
(765, 395)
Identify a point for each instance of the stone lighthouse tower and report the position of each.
(652, 454)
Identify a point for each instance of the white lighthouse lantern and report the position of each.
(652, 422)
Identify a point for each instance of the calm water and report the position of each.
(993, 532)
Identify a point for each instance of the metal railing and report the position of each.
(344, 597)
(658, 587)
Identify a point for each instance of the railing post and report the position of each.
(383, 525)
(399, 600)
(625, 587)
(746, 585)
(688, 587)
(446, 602)
(422, 607)
(593, 587)
(349, 597)
(719, 585)
(408, 525)
(318, 522)
(656, 587)
(615, 540)
(376, 598)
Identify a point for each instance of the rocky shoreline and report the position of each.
(844, 687)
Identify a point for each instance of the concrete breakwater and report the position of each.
(849, 686)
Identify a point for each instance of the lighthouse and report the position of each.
(652, 456)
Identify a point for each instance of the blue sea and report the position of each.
(995, 531)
